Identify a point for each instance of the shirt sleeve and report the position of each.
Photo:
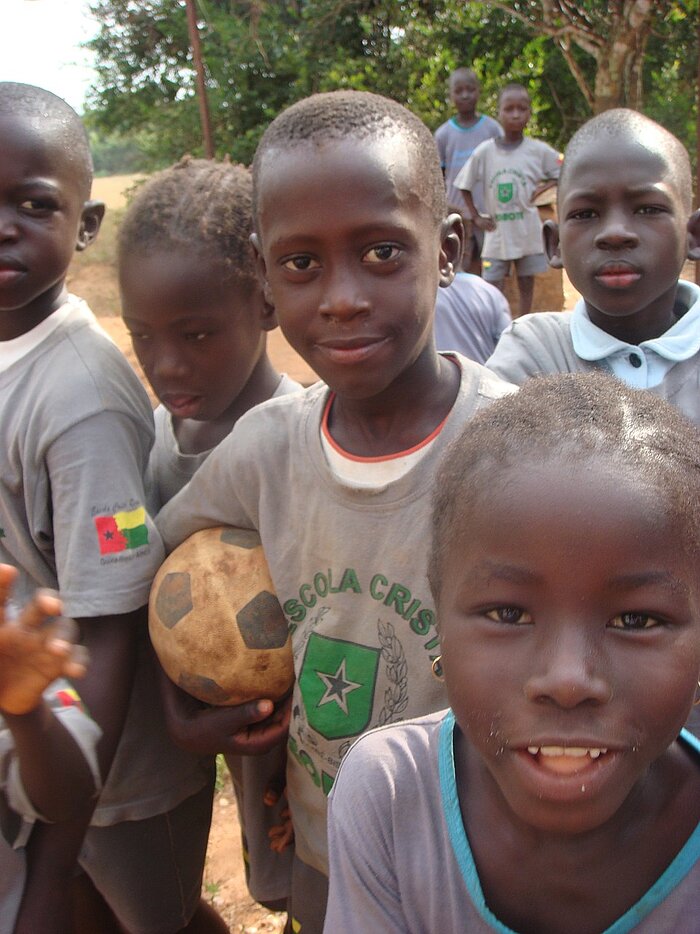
(106, 545)
(440, 143)
(515, 357)
(551, 163)
(470, 173)
(363, 892)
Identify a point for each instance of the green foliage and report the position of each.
(262, 55)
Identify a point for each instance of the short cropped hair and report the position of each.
(197, 205)
(569, 418)
(464, 72)
(357, 115)
(621, 123)
(57, 117)
(512, 86)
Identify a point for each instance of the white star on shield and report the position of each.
(337, 687)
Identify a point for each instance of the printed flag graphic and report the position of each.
(122, 531)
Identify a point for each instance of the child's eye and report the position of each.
(381, 254)
(651, 209)
(583, 214)
(512, 615)
(137, 336)
(633, 621)
(196, 336)
(301, 263)
(37, 206)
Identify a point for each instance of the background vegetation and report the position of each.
(262, 55)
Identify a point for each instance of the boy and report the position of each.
(76, 423)
(48, 766)
(625, 229)
(337, 478)
(198, 322)
(514, 170)
(456, 140)
(566, 571)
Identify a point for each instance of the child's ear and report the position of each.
(261, 269)
(90, 220)
(550, 233)
(451, 247)
(265, 311)
(694, 236)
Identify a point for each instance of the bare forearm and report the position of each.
(55, 774)
(106, 688)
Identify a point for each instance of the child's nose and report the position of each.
(568, 673)
(342, 299)
(168, 364)
(616, 233)
(8, 225)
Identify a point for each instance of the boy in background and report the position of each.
(337, 478)
(198, 323)
(76, 423)
(514, 171)
(625, 229)
(48, 765)
(456, 140)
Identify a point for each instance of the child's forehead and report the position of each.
(38, 146)
(510, 95)
(646, 159)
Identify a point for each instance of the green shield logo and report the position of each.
(505, 192)
(337, 683)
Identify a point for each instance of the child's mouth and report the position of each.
(618, 277)
(182, 406)
(565, 760)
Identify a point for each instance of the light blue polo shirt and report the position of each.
(645, 365)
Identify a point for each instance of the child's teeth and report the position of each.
(576, 751)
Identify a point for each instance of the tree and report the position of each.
(613, 32)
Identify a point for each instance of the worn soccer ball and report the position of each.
(215, 622)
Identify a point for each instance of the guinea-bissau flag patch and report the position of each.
(122, 531)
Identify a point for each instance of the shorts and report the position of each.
(495, 270)
(268, 874)
(309, 899)
(150, 871)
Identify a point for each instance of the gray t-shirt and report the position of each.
(76, 429)
(400, 858)
(17, 814)
(470, 316)
(510, 175)
(349, 568)
(455, 144)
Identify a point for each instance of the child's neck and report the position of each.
(19, 321)
(400, 417)
(643, 325)
(511, 139)
(467, 120)
(195, 437)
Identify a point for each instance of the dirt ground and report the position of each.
(93, 278)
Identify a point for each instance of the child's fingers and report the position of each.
(43, 608)
(8, 575)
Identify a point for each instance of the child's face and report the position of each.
(464, 94)
(514, 111)
(570, 630)
(352, 259)
(622, 231)
(43, 219)
(197, 334)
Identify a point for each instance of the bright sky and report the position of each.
(40, 44)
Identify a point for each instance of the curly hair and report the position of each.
(357, 115)
(198, 205)
(570, 418)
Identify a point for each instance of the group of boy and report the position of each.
(338, 478)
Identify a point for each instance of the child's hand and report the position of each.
(484, 222)
(250, 729)
(35, 649)
(281, 835)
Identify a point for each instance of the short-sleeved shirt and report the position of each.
(455, 144)
(401, 861)
(470, 316)
(510, 175)
(76, 429)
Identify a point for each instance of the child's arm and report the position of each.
(250, 729)
(482, 221)
(34, 651)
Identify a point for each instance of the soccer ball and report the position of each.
(215, 622)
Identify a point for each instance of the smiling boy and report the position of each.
(337, 479)
(623, 236)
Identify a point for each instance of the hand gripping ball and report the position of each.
(215, 622)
